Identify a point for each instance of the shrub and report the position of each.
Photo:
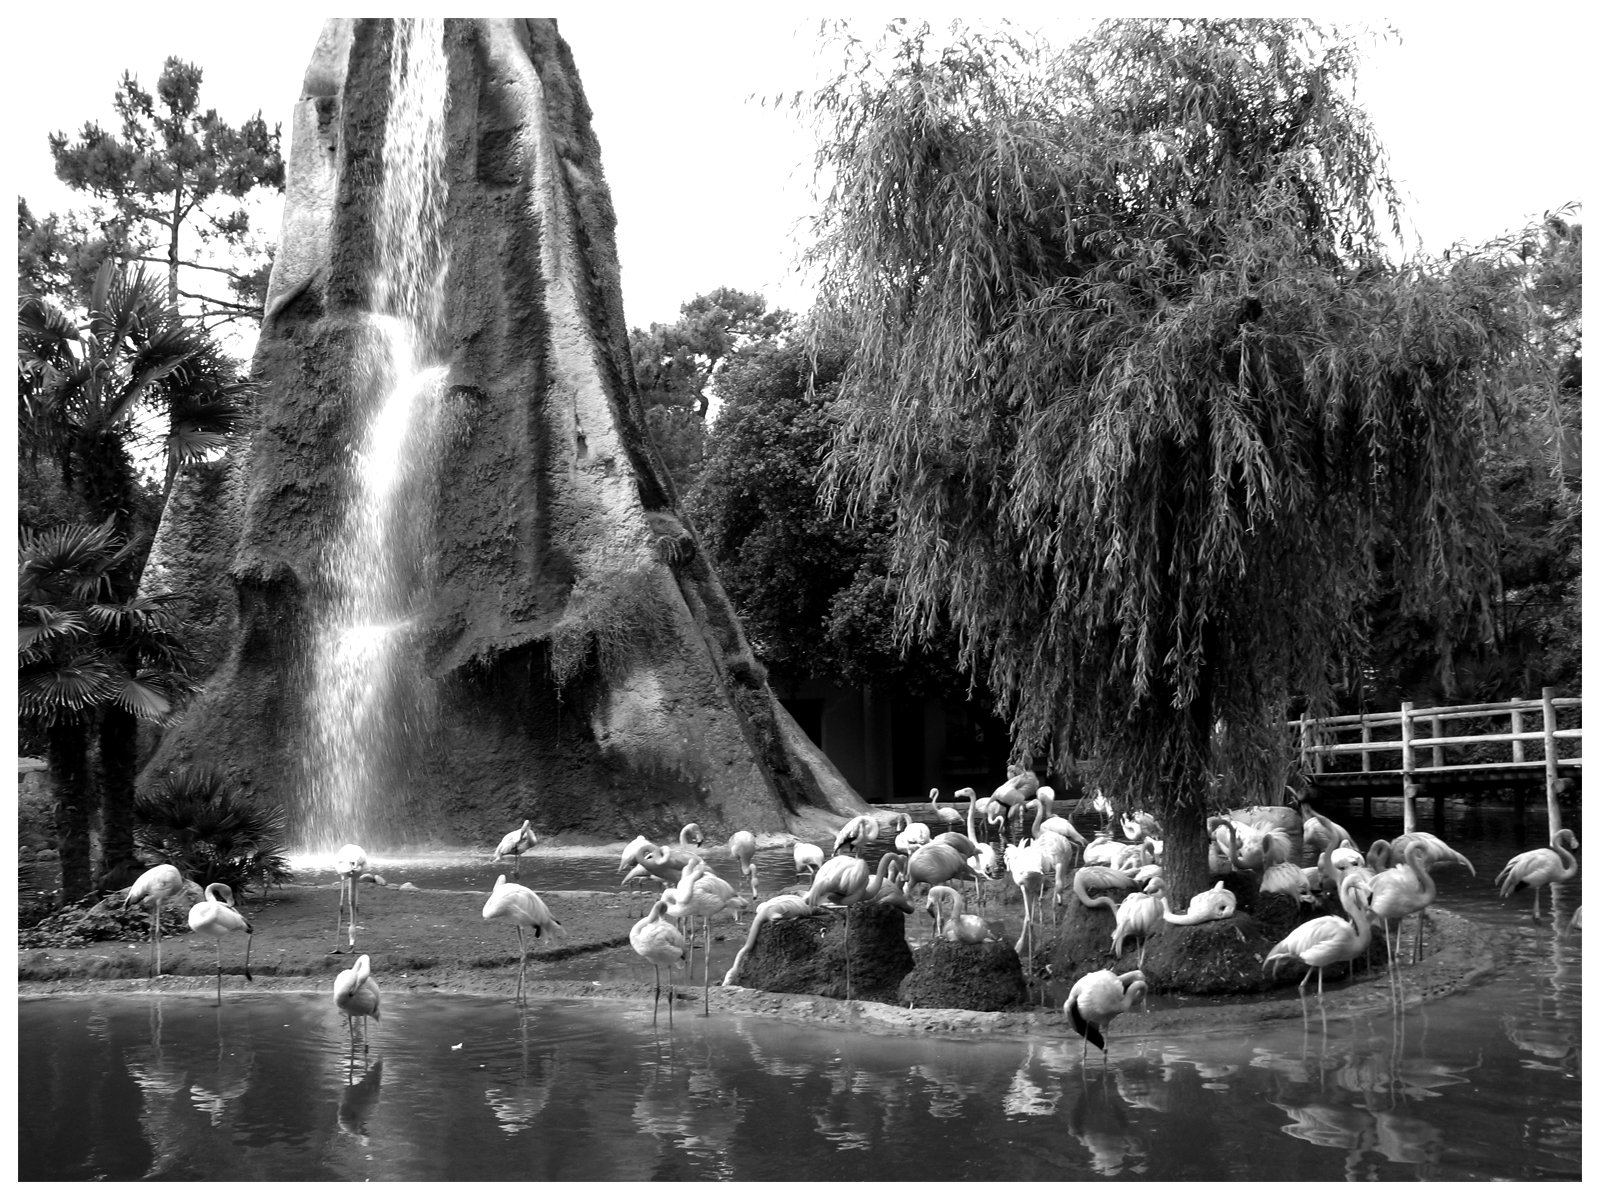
(197, 821)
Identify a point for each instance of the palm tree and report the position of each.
(84, 654)
(131, 393)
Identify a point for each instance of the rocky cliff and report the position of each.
(585, 667)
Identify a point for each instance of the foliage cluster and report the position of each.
(198, 822)
(614, 619)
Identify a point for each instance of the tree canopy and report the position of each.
(174, 171)
(1145, 395)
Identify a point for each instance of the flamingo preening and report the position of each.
(1323, 941)
(348, 865)
(524, 909)
(355, 993)
(701, 893)
(807, 857)
(1539, 868)
(517, 843)
(158, 885)
(215, 916)
(858, 832)
(660, 943)
(1098, 998)
(1216, 905)
(1436, 852)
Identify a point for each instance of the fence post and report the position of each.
(1408, 765)
(1438, 751)
(1366, 737)
(1517, 753)
(1551, 775)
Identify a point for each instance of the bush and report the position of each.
(196, 821)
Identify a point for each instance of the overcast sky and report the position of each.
(1486, 118)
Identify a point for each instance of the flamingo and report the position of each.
(1085, 878)
(348, 865)
(742, 846)
(780, 908)
(355, 993)
(668, 863)
(856, 834)
(1057, 853)
(215, 916)
(1286, 878)
(1097, 999)
(952, 922)
(524, 909)
(843, 882)
(1025, 861)
(690, 836)
(1400, 891)
(1139, 915)
(1216, 905)
(807, 857)
(913, 835)
(517, 843)
(945, 813)
(1437, 852)
(1045, 821)
(1537, 868)
(936, 863)
(660, 943)
(1323, 941)
(1317, 830)
(701, 893)
(159, 885)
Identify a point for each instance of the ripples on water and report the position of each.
(1485, 1084)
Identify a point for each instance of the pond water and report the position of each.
(1482, 1085)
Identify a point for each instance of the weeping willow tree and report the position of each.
(1150, 403)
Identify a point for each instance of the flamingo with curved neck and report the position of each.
(1539, 868)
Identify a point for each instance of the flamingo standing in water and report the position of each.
(858, 833)
(524, 909)
(700, 893)
(1539, 868)
(159, 885)
(1397, 893)
(944, 812)
(742, 846)
(1323, 941)
(348, 865)
(215, 916)
(517, 843)
(660, 943)
(1097, 999)
(355, 993)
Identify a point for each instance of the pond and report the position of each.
(1482, 1085)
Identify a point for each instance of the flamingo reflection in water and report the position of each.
(359, 1099)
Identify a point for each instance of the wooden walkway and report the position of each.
(1457, 751)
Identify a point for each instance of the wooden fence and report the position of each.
(1412, 749)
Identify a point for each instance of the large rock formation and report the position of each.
(585, 667)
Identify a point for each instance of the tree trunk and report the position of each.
(1183, 854)
(68, 754)
(119, 747)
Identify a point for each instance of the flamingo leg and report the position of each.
(705, 968)
(155, 937)
(353, 922)
(522, 966)
(219, 972)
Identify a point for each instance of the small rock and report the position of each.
(409, 887)
(367, 877)
(380, 881)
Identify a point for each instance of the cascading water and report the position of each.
(369, 705)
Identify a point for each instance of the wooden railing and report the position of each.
(1329, 746)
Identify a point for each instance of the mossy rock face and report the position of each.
(986, 977)
(807, 955)
(1213, 958)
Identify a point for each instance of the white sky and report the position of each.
(1486, 116)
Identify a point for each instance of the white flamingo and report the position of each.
(1323, 941)
(1216, 905)
(701, 893)
(1398, 892)
(517, 843)
(355, 993)
(807, 857)
(843, 882)
(952, 922)
(1045, 821)
(1437, 852)
(660, 943)
(215, 916)
(1539, 868)
(524, 909)
(742, 846)
(159, 885)
(348, 865)
(945, 813)
(1025, 862)
(913, 835)
(857, 833)
(1097, 999)
(1139, 915)
(936, 863)
(1085, 878)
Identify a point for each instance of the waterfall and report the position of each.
(369, 705)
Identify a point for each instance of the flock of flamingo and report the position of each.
(1385, 884)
